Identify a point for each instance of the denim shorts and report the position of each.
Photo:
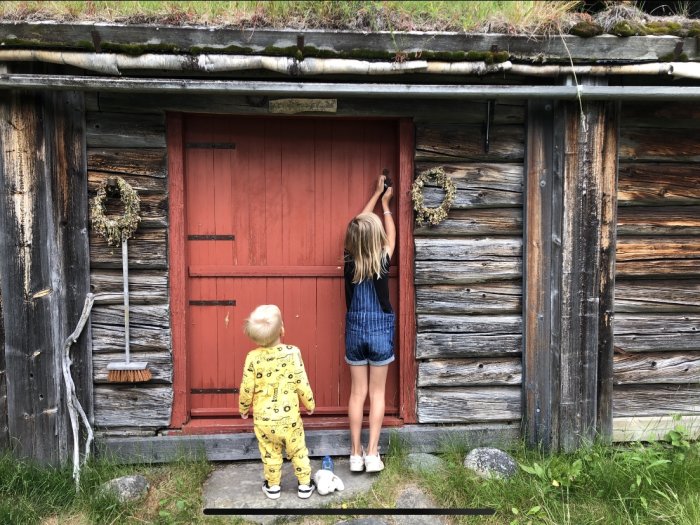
(369, 338)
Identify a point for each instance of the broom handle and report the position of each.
(125, 270)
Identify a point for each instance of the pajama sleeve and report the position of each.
(303, 386)
(245, 393)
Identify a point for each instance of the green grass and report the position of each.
(521, 16)
(622, 484)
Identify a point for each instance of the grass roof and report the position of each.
(540, 17)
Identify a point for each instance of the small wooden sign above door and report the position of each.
(290, 106)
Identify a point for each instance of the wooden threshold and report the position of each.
(238, 425)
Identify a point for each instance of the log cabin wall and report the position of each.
(657, 290)
(131, 145)
(468, 269)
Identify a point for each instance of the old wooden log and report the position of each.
(139, 161)
(147, 250)
(453, 141)
(479, 298)
(655, 332)
(116, 130)
(145, 287)
(488, 371)
(657, 220)
(658, 256)
(479, 222)
(657, 368)
(657, 296)
(469, 405)
(645, 115)
(153, 209)
(658, 184)
(132, 406)
(149, 328)
(446, 345)
(653, 428)
(655, 144)
(4, 431)
(439, 249)
(467, 272)
(656, 400)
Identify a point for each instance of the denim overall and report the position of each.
(369, 331)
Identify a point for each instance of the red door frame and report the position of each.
(178, 264)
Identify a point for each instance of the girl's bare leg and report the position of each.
(358, 394)
(377, 386)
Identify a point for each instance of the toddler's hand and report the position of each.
(310, 412)
(244, 416)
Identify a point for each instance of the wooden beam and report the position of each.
(4, 432)
(653, 428)
(243, 446)
(540, 377)
(153, 38)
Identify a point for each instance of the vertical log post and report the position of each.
(44, 268)
(4, 433)
(569, 274)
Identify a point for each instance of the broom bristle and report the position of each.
(129, 376)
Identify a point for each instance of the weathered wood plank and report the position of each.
(141, 161)
(144, 184)
(657, 367)
(467, 111)
(465, 405)
(656, 400)
(132, 406)
(159, 363)
(468, 372)
(149, 328)
(658, 184)
(31, 268)
(653, 428)
(668, 144)
(118, 130)
(147, 250)
(650, 333)
(657, 296)
(437, 345)
(455, 141)
(243, 446)
(539, 383)
(684, 115)
(4, 430)
(145, 287)
(188, 39)
(500, 221)
(658, 256)
(153, 212)
(439, 249)
(656, 220)
(484, 298)
(470, 324)
(467, 272)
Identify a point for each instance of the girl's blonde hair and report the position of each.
(366, 242)
(264, 324)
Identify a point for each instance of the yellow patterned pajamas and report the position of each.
(274, 379)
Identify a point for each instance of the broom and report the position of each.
(126, 371)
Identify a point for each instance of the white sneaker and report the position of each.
(373, 464)
(305, 491)
(357, 463)
(272, 492)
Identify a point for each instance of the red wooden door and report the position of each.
(267, 202)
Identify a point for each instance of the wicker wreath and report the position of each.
(436, 215)
(116, 230)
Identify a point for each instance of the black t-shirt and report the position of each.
(381, 283)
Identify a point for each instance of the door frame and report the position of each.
(178, 269)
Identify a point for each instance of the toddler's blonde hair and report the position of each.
(366, 242)
(264, 324)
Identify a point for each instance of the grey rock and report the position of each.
(127, 488)
(414, 498)
(421, 461)
(362, 521)
(491, 462)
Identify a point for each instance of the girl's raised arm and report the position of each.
(389, 226)
(369, 207)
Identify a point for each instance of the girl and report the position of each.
(369, 323)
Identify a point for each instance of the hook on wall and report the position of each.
(490, 108)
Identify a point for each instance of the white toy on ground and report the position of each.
(327, 482)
